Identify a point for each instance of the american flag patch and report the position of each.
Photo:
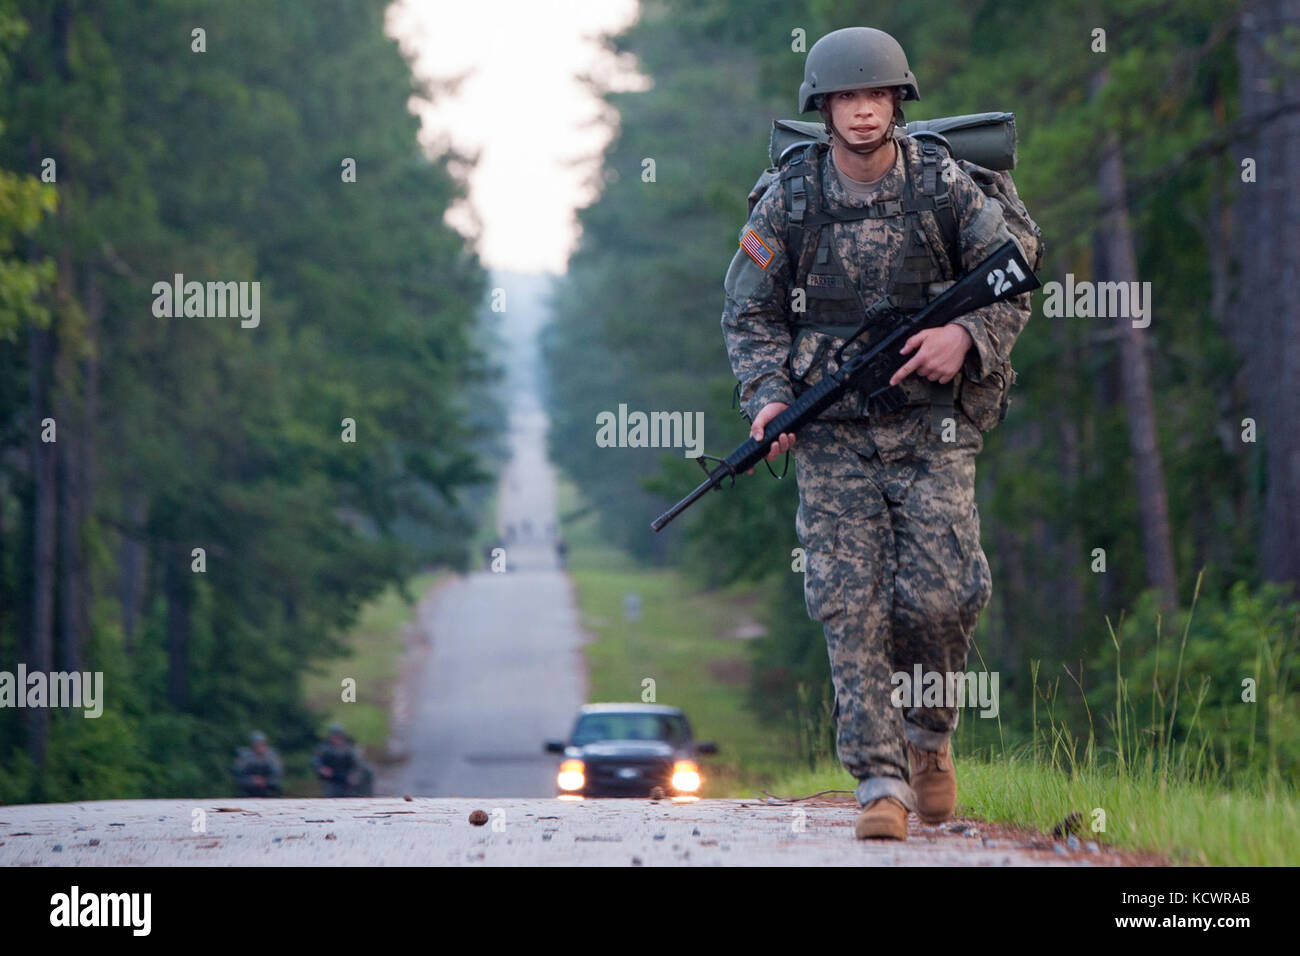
(756, 248)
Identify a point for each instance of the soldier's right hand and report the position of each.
(783, 443)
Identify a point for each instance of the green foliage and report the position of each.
(24, 201)
(1209, 692)
(636, 322)
(195, 432)
(791, 687)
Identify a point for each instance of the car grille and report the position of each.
(604, 774)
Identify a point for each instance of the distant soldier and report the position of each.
(339, 765)
(258, 770)
(561, 552)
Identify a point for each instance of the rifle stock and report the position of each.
(1004, 274)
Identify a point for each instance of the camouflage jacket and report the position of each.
(756, 321)
(342, 761)
(248, 764)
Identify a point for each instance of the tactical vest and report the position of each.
(833, 304)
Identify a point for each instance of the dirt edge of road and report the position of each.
(1023, 839)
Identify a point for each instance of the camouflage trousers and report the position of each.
(895, 573)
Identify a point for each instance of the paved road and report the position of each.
(423, 832)
(503, 669)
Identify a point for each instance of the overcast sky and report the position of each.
(522, 108)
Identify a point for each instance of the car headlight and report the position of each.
(571, 775)
(686, 776)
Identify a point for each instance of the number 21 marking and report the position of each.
(999, 281)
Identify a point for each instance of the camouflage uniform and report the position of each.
(249, 764)
(346, 766)
(887, 513)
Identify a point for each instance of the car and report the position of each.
(629, 750)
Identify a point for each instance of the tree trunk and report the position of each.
(1069, 549)
(72, 555)
(1267, 250)
(131, 558)
(76, 384)
(176, 584)
(1103, 386)
(40, 644)
(1135, 375)
(95, 307)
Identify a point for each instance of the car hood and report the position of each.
(628, 748)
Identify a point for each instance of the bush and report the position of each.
(1208, 691)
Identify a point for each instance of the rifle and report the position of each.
(1002, 275)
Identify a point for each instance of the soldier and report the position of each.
(258, 770)
(887, 514)
(340, 767)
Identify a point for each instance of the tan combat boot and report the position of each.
(934, 780)
(882, 818)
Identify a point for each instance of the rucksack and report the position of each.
(983, 145)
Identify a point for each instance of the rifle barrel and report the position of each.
(694, 496)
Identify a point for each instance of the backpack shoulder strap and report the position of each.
(937, 199)
(934, 197)
(794, 178)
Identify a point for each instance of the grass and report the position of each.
(678, 643)
(375, 645)
(1189, 822)
(1147, 791)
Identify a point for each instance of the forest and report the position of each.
(192, 502)
(1140, 502)
(201, 489)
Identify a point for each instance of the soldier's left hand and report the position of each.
(939, 354)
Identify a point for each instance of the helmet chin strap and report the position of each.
(862, 149)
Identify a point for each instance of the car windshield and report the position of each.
(615, 726)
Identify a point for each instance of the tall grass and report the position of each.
(1159, 748)
(1164, 758)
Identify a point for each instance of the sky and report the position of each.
(521, 107)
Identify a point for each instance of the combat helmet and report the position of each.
(855, 58)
